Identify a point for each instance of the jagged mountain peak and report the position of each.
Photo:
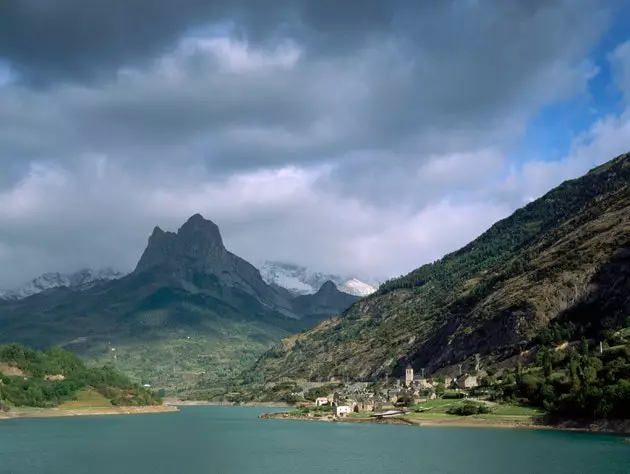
(197, 243)
(201, 227)
(157, 231)
(328, 287)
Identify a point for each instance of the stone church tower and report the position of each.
(409, 376)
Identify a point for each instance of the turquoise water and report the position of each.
(232, 440)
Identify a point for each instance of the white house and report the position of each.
(341, 411)
(321, 401)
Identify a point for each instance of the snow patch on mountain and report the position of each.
(79, 280)
(300, 280)
(356, 287)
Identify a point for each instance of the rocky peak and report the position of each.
(199, 231)
(197, 243)
(195, 252)
(328, 287)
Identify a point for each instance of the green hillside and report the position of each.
(30, 378)
(562, 259)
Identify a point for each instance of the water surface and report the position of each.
(232, 440)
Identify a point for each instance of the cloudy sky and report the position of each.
(361, 138)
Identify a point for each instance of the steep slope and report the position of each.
(81, 279)
(563, 258)
(191, 311)
(300, 280)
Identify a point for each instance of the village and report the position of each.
(387, 398)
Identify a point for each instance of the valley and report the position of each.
(196, 322)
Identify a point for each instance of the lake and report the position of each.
(232, 440)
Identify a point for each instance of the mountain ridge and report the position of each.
(492, 297)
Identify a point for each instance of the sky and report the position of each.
(360, 138)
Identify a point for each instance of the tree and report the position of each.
(584, 347)
(574, 369)
(544, 358)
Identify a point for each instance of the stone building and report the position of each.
(409, 376)
(467, 381)
(321, 401)
(341, 411)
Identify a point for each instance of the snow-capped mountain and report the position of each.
(300, 280)
(78, 280)
(356, 287)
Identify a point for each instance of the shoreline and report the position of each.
(18, 413)
(184, 403)
(616, 427)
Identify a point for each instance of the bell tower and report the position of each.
(408, 375)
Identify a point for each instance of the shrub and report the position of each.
(468, 409)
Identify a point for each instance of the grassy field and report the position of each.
(437, 409)
(516, 410)
(87, 399)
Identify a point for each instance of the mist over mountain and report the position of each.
(300, 280)
(78, 280)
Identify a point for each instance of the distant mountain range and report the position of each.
(189, 309)
(80, 280)
(299, 280)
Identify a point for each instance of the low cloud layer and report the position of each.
(360, 142)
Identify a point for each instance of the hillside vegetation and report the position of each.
(49, 378)
(562, 263)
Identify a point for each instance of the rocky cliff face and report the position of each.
(195, 253)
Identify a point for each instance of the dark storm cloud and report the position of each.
(48, 40)
(78, 39)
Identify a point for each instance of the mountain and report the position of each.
(81, 279)
(323, 303)
(191, 312)
(559, 268)
(195, 259)
(300, 280)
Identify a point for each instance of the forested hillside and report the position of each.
(49, 378)
(564, 258)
